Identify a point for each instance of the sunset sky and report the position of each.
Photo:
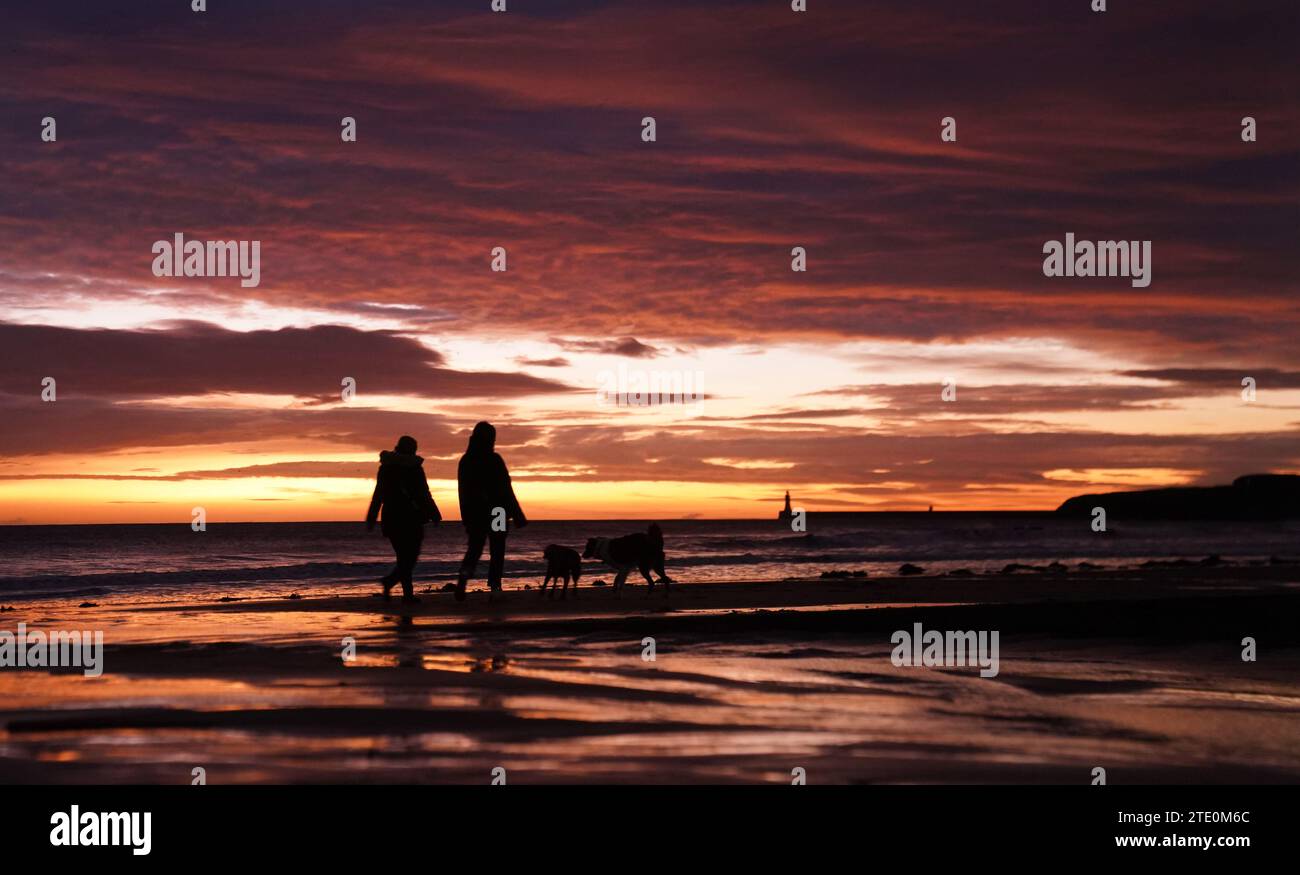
(775, 129)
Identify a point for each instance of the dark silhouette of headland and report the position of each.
(1251, 497)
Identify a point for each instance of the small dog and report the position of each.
(642, 551)
(561, 562)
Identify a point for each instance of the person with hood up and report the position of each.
(402, 493)
(487, 501)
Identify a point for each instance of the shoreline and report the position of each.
(1157, 582)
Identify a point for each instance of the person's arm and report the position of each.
(513, 510)
(375, 501)
(426, 499)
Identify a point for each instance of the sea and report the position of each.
(276, 559)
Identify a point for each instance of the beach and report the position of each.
(1136, 670)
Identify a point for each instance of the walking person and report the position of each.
(487, 502)
(403, 503)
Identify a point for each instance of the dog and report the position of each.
(643, 551)
(561, 562)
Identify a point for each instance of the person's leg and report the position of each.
(475, 538)
(497, 559)
(410, 555)
(473, 552)
(390, 579)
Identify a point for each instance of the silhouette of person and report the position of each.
(402, 491)
(487, 501)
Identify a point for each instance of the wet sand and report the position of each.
(1137, 671)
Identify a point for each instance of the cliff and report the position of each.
(1252, 497)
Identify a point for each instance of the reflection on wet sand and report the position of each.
(258, 692)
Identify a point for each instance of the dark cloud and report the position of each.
(194, 358)
(925, 400)
(624, 346)
(93, 426)
(305, 468)
(948, 461)
(555, 362)
(1227, 379)
(827, 139)
(949, 458)
(810, 413)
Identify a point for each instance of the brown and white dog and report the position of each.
(643, 551)
(561, 562)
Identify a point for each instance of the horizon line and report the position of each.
(532, 520)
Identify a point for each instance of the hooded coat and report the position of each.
(402, 495)
(484, 482)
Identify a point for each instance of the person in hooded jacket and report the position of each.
(487, 502)
(403, 503)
